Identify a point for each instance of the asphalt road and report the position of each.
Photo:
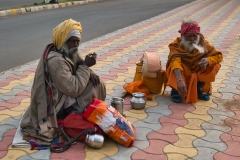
(16, 3)
(24, 37)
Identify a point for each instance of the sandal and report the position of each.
(175, 97)
(203, 96)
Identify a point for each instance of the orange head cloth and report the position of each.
(189, 28)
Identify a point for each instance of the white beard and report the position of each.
(70, 53)
(199, 48)
(190, 46)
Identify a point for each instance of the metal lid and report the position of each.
(138, 94)
(117, 99)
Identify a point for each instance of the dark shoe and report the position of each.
(175, 97)
(203, 96)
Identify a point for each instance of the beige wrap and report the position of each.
(64, 84)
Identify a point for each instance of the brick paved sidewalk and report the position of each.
(165, 130)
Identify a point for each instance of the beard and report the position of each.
(190, 46)
(72, 53)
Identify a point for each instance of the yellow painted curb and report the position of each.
(13, 11)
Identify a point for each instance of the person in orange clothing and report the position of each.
(192, 65)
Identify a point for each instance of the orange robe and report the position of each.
(191, 71)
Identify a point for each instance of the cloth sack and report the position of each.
(149, 77)
(74, 124)
(151, 64)
(111, 122)
(153, 85)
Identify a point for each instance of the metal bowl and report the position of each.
(138, 101)
(135, 105)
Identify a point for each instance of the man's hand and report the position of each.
(203, 63)
(90, 59)
(182, 89)
(81, 61)
(181, 86)
(94, 79)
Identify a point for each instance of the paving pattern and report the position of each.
(165, 130)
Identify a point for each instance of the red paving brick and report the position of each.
(3, 153)
(221, 156)
(148, 156)
(170, 138)
(74, 152)
(5, 105)
(6, 142)
(180, 122)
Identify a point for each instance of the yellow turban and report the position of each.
(61, 32)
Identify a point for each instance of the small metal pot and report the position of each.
(138, 100)
(94, 140)
(117, 103)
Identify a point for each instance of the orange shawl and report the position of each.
(191, 71)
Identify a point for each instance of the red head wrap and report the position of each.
(189, 28)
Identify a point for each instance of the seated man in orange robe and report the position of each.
(192, 65)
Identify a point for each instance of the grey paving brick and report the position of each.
(153, 118)
(220, 146)
(4, 128)
(205, 153)
(141, 144)
(101, 72)
(232, 75)
(162, 106)
(233, 80)
(229, 96)
(118, 93)
(6, 97)
(218, 119)
(230, 87)
(40, 155)
(220, 126)
(25, 87)
(212, 136)
(142, 132)
(11, 95)
(150, 122)
(222, 104)
(11, 121)
(219, 112)
(118, 88)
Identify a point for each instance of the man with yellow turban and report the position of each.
(63, 83)
(192, 65)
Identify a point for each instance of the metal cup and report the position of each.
(117, 103)
(94, 140)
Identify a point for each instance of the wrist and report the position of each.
(180, 79)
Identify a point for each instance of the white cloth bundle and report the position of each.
(151, 64)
